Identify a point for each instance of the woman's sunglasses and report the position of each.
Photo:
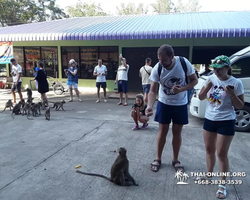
(219, 62)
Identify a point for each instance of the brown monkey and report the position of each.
(17, 109)
(58, 105)
(47, 113)
(8, 104)
(119, 171)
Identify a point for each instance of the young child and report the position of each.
(138, 113)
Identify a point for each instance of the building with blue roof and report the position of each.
(198, 36)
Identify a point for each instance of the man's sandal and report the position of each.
(201, 178)
(156, 167)
(178, 167)
(221, 192)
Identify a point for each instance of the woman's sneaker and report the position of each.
(144, 126)
(135, 128)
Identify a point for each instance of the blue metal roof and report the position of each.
(132, 27)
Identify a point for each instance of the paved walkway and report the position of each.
(38, 157)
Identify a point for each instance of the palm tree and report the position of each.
(178, 175)
(181, 176)
(185, 176)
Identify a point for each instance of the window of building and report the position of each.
(89, 57)
(49, 58)
(18, 55)
(32, 55)
(3, 71)
(67, 54)
(27, 57)
(109, 56)
(241, 68)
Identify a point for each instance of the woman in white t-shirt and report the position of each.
(223, 93)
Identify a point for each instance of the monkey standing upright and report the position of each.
(29, 93)
(47, 113)
(119, 171)
(8, 104)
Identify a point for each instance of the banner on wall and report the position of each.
(6, 52)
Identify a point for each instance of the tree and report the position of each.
(191, 6)
(14, 12)
(163, 6)
(49, 11)
(85, 10)
(132, 9)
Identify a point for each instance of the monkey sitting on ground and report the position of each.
(47, 113)
(35, 108)
(8, 104)
(58, 105)
(26, 108)
(119, 171)
(22, 102)
(17, 109)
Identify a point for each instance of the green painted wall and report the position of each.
(131, 43)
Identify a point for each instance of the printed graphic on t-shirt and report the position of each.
(122, 69)
(216, 96)
(169, 83)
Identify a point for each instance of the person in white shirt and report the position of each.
(172, 101)
(122, 80)
(224, 94)
(100, 72)
(144, 73)
(16, 72)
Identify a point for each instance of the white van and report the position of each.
(240, 63)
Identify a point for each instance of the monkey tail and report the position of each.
(92, 174)
(12, 115)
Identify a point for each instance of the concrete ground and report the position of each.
(38, 157)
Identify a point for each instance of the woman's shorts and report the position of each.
(72, 85)
(167, 113)
(226, 127)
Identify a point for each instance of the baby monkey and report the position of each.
(8, 104)
(119, 171)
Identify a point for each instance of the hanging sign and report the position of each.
(6, 52)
